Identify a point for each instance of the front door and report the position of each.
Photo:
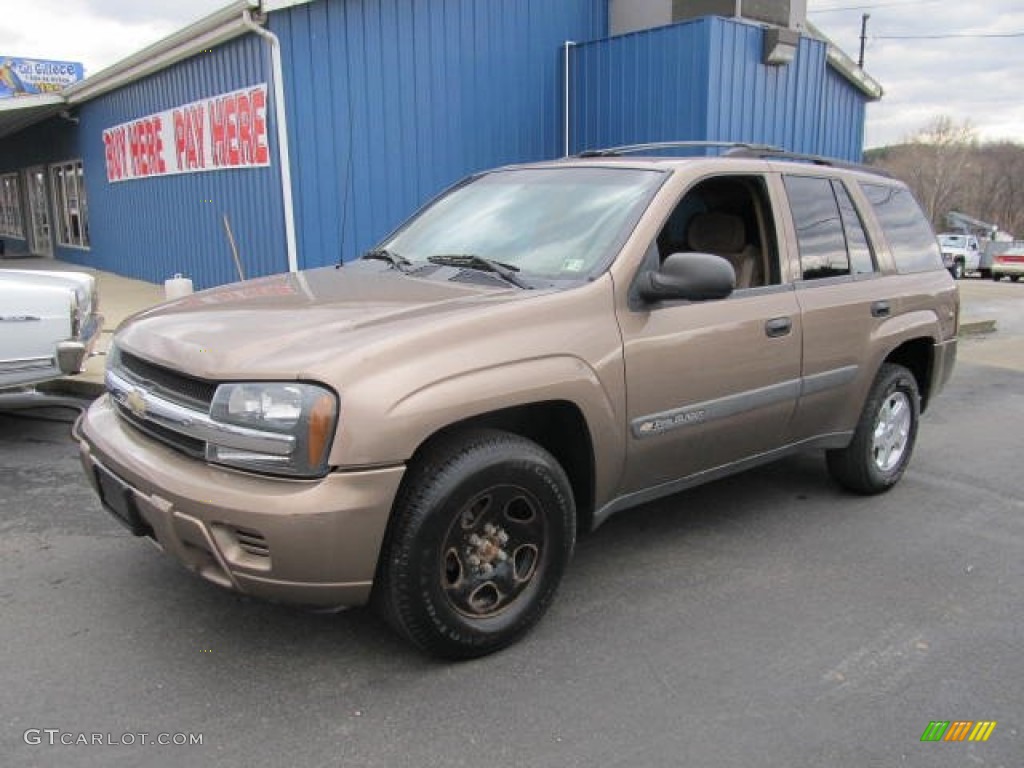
(713, 383)
(40, 239)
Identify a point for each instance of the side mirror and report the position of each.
(689, 277)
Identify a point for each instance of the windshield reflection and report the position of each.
(553, 223)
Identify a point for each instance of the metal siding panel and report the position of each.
(152, 228)
(843, 128)
(781, 105)
(392, 100)
(645, 86)
(704, 80)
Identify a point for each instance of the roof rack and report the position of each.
(629, 149)
(774, 153)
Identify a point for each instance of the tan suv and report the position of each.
(429, 427)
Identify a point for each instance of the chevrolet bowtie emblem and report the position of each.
(135, 402)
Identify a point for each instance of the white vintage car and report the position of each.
(49, 324)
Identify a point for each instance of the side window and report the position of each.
(910, 237)
(819, 228)
(861, 260)
(729, 216)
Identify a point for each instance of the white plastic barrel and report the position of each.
(177, 287)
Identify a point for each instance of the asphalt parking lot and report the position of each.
(767, 620)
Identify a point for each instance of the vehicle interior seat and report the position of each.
(724, 234)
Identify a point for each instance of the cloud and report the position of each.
(97, 33)
(976, 79)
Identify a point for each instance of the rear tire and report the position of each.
(883, 441)
(1014, 278)
(480, 536)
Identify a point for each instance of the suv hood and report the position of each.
(290, 325)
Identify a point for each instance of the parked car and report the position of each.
(960, 253)
(429, 428)
(49, 324)
(1008, 261)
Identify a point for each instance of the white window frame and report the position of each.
(70, 207)
(12, 219)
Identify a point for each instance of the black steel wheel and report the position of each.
(883, 442)
(481, 533)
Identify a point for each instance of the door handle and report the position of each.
(881, 309)
(778, 326)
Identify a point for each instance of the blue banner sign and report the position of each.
(27, 77)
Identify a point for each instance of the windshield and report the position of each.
(954, 241)
(552, 223)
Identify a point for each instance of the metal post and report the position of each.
(863, 36)
(566, 88)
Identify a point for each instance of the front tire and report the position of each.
(481, 534)
(958, 270)
(883, 442)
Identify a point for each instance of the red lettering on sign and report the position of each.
(158, 145)
(179, 137)
(108, 151)
(261, 154)
(231, 121)
(218, 132)
(244, 140)
(133, 148)
(197, 135)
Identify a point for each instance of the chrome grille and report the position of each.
(185, 390)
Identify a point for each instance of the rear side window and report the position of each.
(819, 227)
(910, 237)
(861, 260)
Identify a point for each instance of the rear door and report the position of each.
(843, 298)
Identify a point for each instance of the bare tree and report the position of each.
(948, 169)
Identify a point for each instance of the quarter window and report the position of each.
(910, 237)
(861, 260)
(819, 227)
(69, 204)
(11, 222)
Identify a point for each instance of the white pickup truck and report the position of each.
(960, 253)
(49, 324)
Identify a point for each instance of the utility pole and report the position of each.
(863, 36)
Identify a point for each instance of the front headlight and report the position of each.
(306, 412)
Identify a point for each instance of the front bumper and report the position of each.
(308, 542)
(71, 355)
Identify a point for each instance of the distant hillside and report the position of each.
(985, 181)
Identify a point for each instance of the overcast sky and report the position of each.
(955, 64)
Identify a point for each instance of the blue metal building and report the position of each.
(284, 134)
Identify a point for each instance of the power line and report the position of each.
(945, 37)
(869, 6)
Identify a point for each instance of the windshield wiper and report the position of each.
(472, 261)
(400, 263)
